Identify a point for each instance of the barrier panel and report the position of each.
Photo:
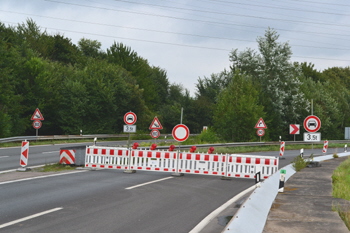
(227, 165)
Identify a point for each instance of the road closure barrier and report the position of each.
(227, 165)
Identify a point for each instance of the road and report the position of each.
(107, 201)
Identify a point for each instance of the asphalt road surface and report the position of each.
(110, 200)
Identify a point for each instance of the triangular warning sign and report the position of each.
(37, 115)
(156, 124)
(260, 124)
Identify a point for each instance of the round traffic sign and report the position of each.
(180, 132)
(260, 132)
(130, 118)
(37, 124)
(155, 133)
(312, 124)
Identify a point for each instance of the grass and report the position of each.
(55, 168)
(341, 189)
(299, 163)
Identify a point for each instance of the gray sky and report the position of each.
(193, 38)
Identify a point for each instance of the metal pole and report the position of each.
(182, 109)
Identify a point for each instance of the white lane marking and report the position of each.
(30, 217)
(200, 226)
(39, 177)
(4, 157)
(151, 182)
(49, 152)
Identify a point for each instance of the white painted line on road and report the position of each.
(13, 170)
(39, 177)
(30, 217)
(49, 152)
(200, 226)
(151, 182)
(4, 157)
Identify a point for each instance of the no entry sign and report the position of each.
(180, 132)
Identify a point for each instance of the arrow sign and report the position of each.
(294, 129)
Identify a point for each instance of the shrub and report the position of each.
(299, 163)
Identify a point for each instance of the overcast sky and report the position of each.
(192, 39)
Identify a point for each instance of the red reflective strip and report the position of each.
(86, 165)
(206, 157)
(166, 169)
(157, 169)
(167, 155)
(229, 175)
(158, 154)
(237, 175)
(247, 176)
(93, 165)
(238, 160)
(110, 166)
(257, 161)
(215, 173)
(196, 171)
(119, 167)
(275, 162)
(120, 152)
(247, 160)
(187, 170)
(230, 159)
(140, 153)
(95, 151)
(216, 158)
(188, 156)
(205, 172)
(102, 165)
(88, 150)
(111, 152)
(147, 168)
(103, 151)
(267, 162)
(198, 157)
(149, 154)
(223, 158)
(265, 177)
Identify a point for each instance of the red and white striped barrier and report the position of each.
(283, 144)
(67, 156)
(24, 153)
(228, 165)
(325, 147)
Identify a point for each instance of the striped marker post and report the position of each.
(24, 155)
(282, 148)
(325, 147)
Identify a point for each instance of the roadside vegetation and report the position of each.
(341, 189)
(56, 167)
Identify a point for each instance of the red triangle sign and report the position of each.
(260, 124)
(37, 116)
(156, 124)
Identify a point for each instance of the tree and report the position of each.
(238, 109)
(277, 80)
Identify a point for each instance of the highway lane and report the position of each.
(98, 201)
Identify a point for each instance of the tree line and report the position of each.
(81, 87)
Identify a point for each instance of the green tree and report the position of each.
(238, 109)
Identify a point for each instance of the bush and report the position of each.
(299, 163)
(208, 136)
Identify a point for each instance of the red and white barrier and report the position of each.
(24, 153)
(67, 156)
(283, 144)
(325, 147)
(228, 165)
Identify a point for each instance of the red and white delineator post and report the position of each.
(325, 147)
(282, 146)
(24, 156)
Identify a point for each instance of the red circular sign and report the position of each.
(130, 118)
(180, 132)
(260, 132)
(37, 124)
(155, 133)
(312, 124)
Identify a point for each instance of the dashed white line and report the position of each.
(4, 157)
(151, 182)
(30, 217)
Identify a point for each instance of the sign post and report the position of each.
(312, 124)
(260, 125)
(130, 119)
(37, 117)
(180, 133)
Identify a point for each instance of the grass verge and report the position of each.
(341, 189)
(56, 167)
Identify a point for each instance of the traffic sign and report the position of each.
(260, 132)
(312, 124)
(260, 124)
(294, 129)
(37, 124)
(180, 132)
(129, 129)
(312, 137)
(156, 124)
(37, 115)
(130, 118)
(155, 133)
